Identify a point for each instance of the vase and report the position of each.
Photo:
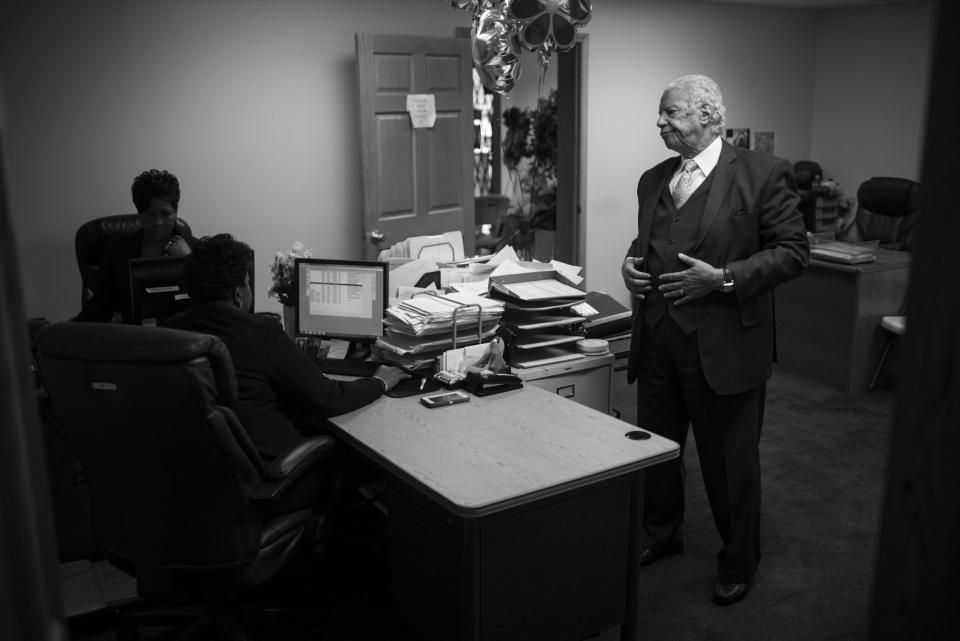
(290, 320)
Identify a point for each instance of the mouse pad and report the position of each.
(411, 387)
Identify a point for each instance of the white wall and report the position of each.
(758, 56)
(870, 92)
(253, 105)
(844, 87)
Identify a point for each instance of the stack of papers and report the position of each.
(420, 329)
(545, 356)
(539, 322)
(537, 290)
(446, 247)
(432, 314)
(405, 344)
(848, 253)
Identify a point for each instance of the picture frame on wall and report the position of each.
(764, 142)
(739, 137)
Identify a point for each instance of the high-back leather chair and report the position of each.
(490, 209)
(179, 496)
(91, 237)
(887, 210)
(807, 172)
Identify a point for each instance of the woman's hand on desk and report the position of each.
(390, 375)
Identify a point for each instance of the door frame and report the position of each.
(570, 239)
(570, 243)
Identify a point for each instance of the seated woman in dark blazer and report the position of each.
(281, 392)
(156, 195)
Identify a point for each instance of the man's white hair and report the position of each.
(704, 94)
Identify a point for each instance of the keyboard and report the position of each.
(347, 366)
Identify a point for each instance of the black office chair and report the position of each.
(887, 210)
(808, 175)
(91, 237)
(807, 172)
(490, 209)
(180, 498)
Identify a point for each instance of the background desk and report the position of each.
(509, 515)
(828, 319)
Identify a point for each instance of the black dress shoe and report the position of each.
(653, 554)
(729, 593)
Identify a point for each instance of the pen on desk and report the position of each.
(423, 383)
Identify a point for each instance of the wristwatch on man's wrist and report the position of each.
(727, 285)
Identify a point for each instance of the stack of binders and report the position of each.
(604, 316)
(539, 326)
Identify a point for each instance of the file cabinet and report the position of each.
(585, 380)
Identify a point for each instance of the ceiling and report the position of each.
(813, 4)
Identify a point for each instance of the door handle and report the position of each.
(377, 237)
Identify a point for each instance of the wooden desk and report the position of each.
(510, 515)
(828, 319)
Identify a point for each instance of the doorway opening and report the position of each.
(499, 200)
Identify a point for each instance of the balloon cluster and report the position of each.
(502, 27)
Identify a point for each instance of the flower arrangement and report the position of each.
(284, 287)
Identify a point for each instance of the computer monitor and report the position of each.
(340, 299)
(155, 288)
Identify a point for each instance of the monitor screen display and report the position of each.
(155, 288)
(340, 298)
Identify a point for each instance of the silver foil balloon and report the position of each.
(466, 5)
(496, 52)
(547, 25)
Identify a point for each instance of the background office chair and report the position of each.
(91, 237)
(807, 172)
(490, 209)
(887, 210)
(180, 498)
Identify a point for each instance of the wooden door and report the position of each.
(415, 181)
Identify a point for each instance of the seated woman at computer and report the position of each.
(156, 195)
(281, 392)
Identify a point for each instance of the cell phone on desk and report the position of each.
(444, 398)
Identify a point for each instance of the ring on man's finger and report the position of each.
(681, 292)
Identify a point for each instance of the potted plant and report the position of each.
(530, 155)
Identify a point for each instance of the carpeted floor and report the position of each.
(823, 454)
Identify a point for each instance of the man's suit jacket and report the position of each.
(752, 225)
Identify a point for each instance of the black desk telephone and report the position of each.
(486, 383)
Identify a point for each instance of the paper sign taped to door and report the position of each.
(422, 108)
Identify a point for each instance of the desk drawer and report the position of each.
(589, 387)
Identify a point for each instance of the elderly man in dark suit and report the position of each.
(718, 229)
